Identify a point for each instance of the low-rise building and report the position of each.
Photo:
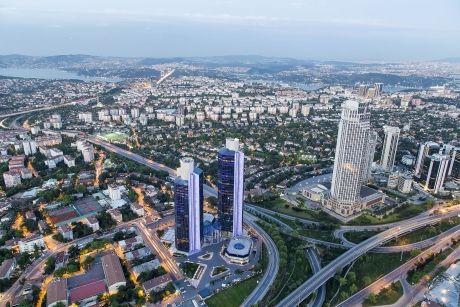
(7, 267)
(146, 266)
(156, 284)
(93, 223)
(66, 231)
(137, 208)
(12, 179)
(27, 245)
(69, 161)
(113, 272)
(116, 215)
(239, 250)
(56, 292)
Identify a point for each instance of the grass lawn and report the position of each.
(386, 296)
(401, 213)
(359, 236)
(218, 270)
(367, 269)
(233, 296)
(294, 267)
(282, 206)
(115, 136)
(189, 268)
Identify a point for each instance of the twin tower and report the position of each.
(189, 197)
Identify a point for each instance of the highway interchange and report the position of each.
(321, 276)
(325, 273)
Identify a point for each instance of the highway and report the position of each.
(316, 266)
(407, 247)
(312, 284)
(398, 273)
(326, 272)
(40, 109)
(169, 74)
(273, 266)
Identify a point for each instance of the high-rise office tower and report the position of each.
(454, 165)
(188, 203)
(434, 172)
(230, 163)
(351, 157)
(378, 89)
(426, 149)
(390, 146)
(367, 166)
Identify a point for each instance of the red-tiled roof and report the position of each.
(87, 291)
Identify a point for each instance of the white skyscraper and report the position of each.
(352, 158)
(390, 145)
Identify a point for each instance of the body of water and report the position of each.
(50, 74)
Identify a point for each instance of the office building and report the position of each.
(426, 149)
(230, 185)
(454, 165)
(434, 172)
(352, 159)
(367, 166)
(188, 203)
(378, 87)
(390, 146)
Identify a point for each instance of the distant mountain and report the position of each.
(246, 60)
(156, 61)
(449, 60)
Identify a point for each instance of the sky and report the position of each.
(357, 30)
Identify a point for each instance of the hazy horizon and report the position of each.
(332, 30)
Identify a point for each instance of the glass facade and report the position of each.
(230, 184)
(225, 187)
(188, 203)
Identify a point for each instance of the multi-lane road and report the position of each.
(320, 278)
(398, 273)
(273, 263)
(316, 266)
(42, 109)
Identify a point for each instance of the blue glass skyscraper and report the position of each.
(230, 185)
(188, 203)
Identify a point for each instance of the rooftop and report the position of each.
(112, 269)
(57, 291)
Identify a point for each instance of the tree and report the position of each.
(372, 298)
(352, 277)
(353, 288)
(367, 280)
(73, 251)
(50, 265)
(87, 262)
(342, 281)
(23, 260)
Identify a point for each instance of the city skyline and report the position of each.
(229, 153)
